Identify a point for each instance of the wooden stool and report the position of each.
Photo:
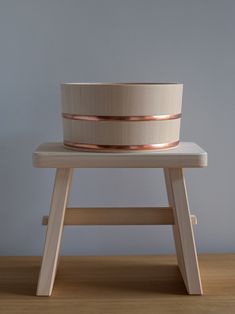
(177, 214)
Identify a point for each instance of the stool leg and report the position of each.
(182, 230)
(175, 227)
(54, 231)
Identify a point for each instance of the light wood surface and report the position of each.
(175, 227)
(122, 99)
(54, 231)
(54, 155)
(112, 99)
(178, 213)
(117, 285)
(121, 132)
(185, 243)
(119, 216)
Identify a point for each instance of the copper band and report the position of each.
(121, 118)
(96, 147)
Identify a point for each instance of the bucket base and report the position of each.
(117, 148)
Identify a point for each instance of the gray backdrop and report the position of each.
(44, 43)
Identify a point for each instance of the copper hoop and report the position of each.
(121, 118)
(97, 147)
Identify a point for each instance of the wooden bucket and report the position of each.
(121, 116)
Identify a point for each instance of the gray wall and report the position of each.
(44, 43)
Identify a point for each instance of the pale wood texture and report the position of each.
(183, 233)
(54, 231)
(119, 216)
(175, 227)
(121, 99)
(185, 155)
(118, 285)
(121, 133)
(54, 155)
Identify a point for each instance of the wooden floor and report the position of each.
(140, 285)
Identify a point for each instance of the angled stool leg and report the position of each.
(54, 231)
(182, 230)
(175, 227)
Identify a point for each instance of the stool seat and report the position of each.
(185, 155)
(177, 213)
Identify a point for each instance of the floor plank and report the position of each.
(130, 284)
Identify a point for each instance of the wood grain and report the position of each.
(185, 236)
(54, 231)
(117, 285)
(121, 132)
(112, 99)
(119, 216)
(122, 99)
(175, 227)
(185, 155)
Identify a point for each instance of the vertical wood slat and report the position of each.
(54, 231)
(184, 234)
(175, 227)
